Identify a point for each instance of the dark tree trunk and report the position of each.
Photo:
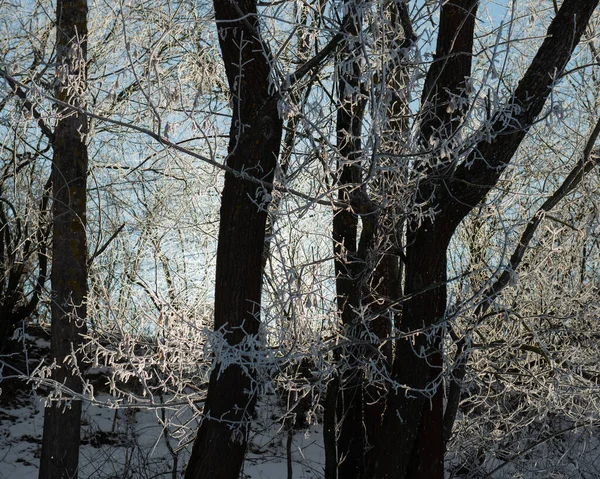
(411, 442)
(416, 364)
(60, 443)
(255, 138)
(367, 268)
(330, 428)
(447, 80)
(349, 262)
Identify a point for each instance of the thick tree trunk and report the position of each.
(60, 443)
(350, 275)
(255, 138)
(412, 405)
(411, 442)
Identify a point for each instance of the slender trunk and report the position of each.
(385, 282)
(367, 268)
(330, 428)
(255, 138)
(60, 443)
(387, 277)
(348, 265)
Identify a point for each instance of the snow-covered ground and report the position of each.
(137, 442)
(155, 442)
(130, 443)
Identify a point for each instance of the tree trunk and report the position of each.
(411, 442)
(254, 142)
(367, 269)
(350, 266)
(60, 443)
(416, 369)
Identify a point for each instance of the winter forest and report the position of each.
(339, 239)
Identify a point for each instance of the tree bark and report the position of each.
(254, 142)
(60, 443)
(447, 80)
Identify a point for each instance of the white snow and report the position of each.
(130, 443)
